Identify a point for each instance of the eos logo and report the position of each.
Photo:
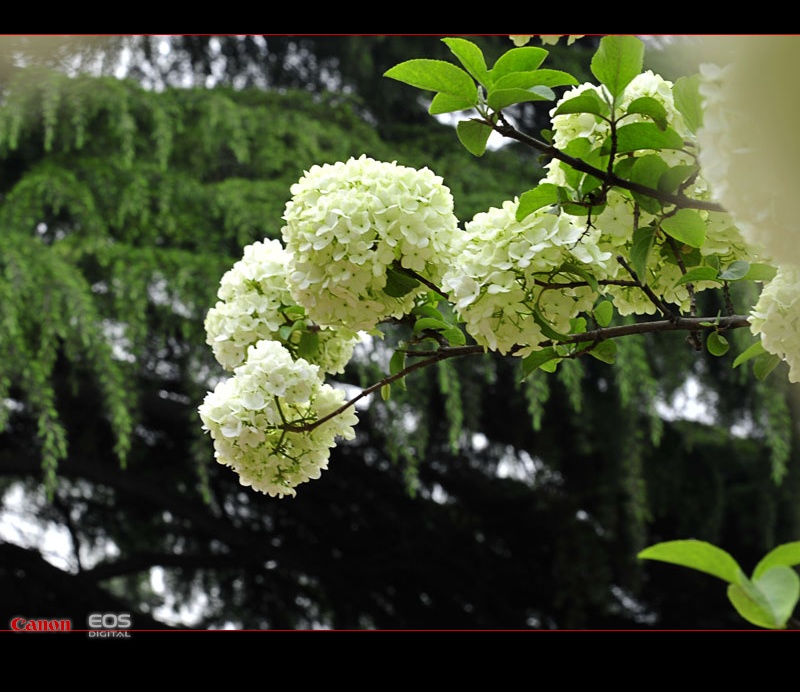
(109, 624)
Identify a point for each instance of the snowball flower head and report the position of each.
(349, 226)
(505, 271)
(247, 416)
(776, 318)
(255, 304)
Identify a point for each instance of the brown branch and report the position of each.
(430, 357)
(549, 150)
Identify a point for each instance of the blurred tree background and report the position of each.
(133, 171)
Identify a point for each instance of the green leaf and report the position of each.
(647, 170)
(396, 364)
(617, 61)
(308, 347)
(524, 59)
(436, 75)
(603, 312)
(424, 323)
(471, 57)
(752, 605)
(686, 226)
(698, 274)
(497, 99)
(787, 555)
(717, 344)
(386, 392)
(605, 351)
(426, 310)
(760, 272)
(543, 195)
(650, 107)
(527, 80)
(447, 103)
(755, 349)
(643, 239)
(585, 102)
(698, 555)
(536, 359)
(764, 364)
(638, 136)
(674, 177)
(736, 270)
(473, 135)
(781, 587)
(398, 283)
(686, 94)
(454, 336)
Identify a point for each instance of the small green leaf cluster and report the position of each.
(766, 599)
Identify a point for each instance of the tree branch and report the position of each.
(506, 130)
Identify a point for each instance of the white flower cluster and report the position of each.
(776, 318)
(348, 223)
(255, 304)
(247, 416)
(498, 275)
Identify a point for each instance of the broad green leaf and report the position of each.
(686, 226)
(473, 135)
(617, 61)
(386, 392)
(497, 99)
(424, 323)
(471, 57)
(786, 555)
(605, 351)
(760, 272)
(603, 312)
(285, 331)
(638, 136)
(647, 170)
(536, 359)
(736, 270)
(640, 250)
(398, 283)
(650, 107)
(577, 325)
(426, 310)
(674, 177)
(752, 605)
(447, 103)
(526, 80)
(781, 587)
(454, 336)
(717, 344)
(525, 59)
(396, 364)
(543, 195)
(686, 94)
(585, 102)
(755, 349)
(699, 555)
(698, 274)
(308, 347)
(764, 364)
(436, 75)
